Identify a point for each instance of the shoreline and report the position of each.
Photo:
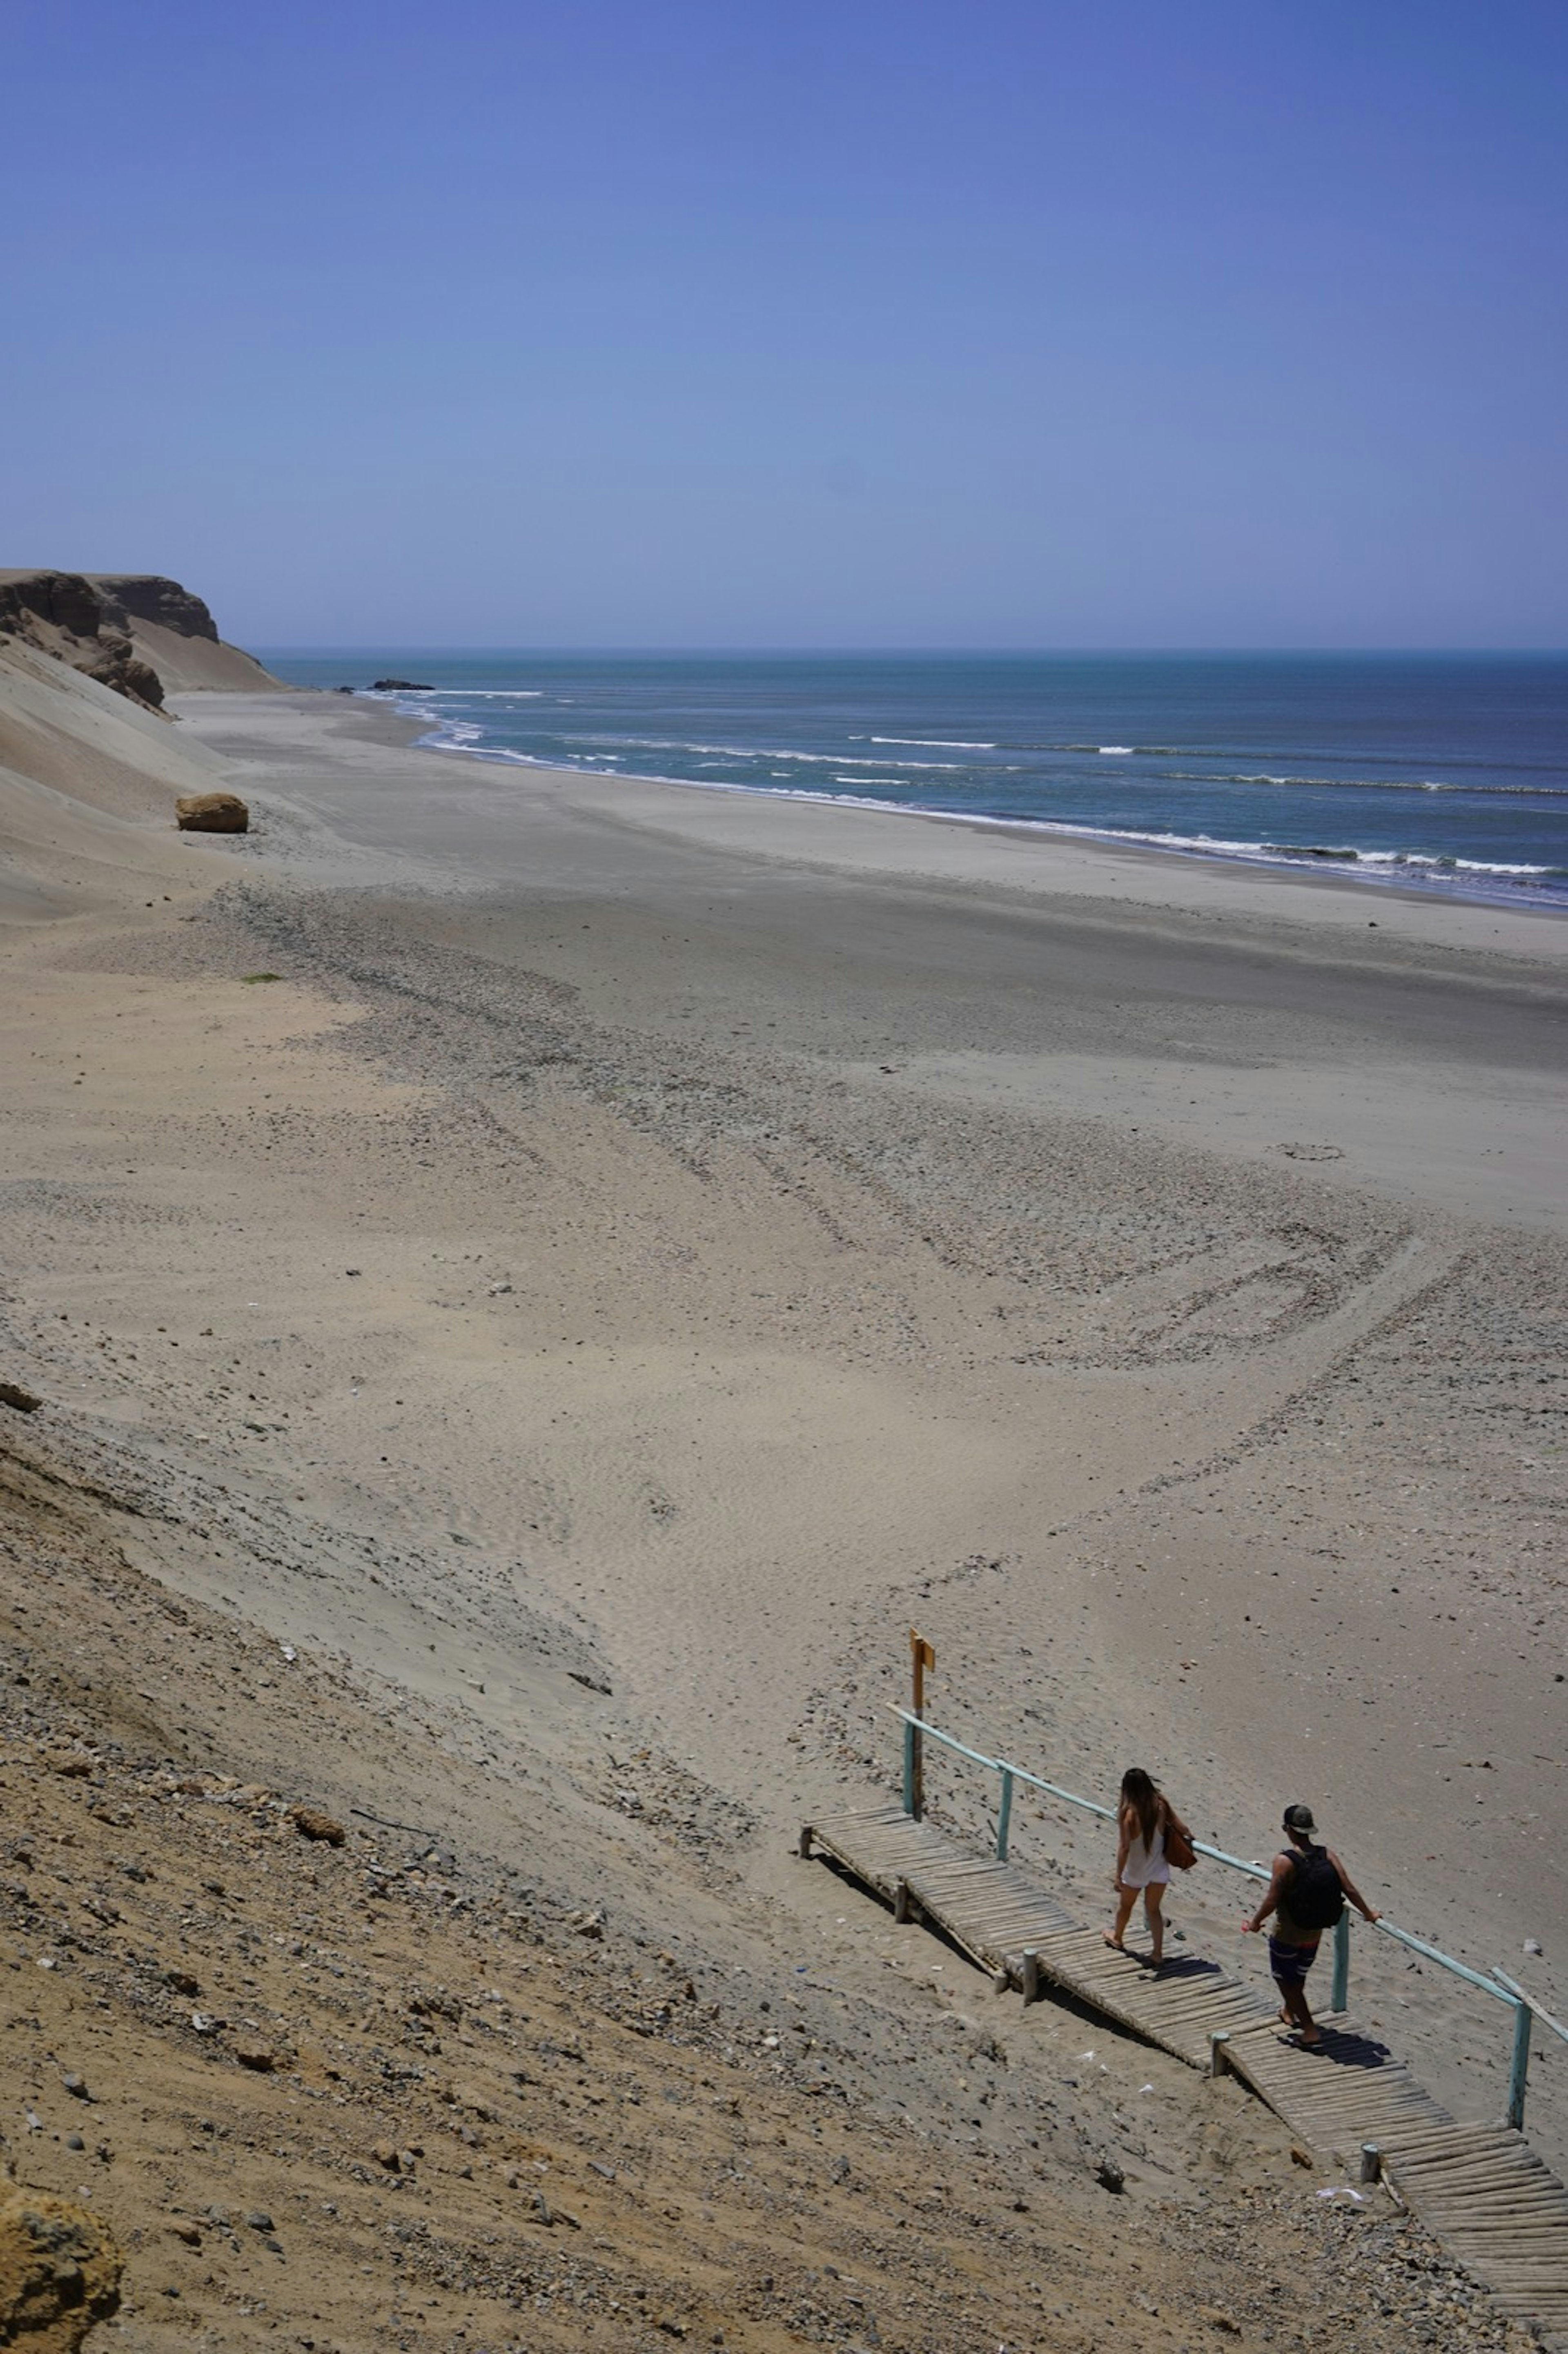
(1349, 867)
(1429, 877)
(1314, 1031)
(1052, 861)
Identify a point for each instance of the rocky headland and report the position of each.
(142, 635)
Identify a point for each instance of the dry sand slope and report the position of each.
(513, 1237)
(391, 2091)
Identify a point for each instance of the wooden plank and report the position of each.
(1538, 2230)
(1472, 2164)
(1492, 2183)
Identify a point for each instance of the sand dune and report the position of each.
(87, 785)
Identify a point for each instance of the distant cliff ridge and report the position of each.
(142, 635)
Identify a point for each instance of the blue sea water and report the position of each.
(1446, 772)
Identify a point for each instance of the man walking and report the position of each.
(1306, 1895)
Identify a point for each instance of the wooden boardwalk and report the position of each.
(1482, 2190)
(1478, 2188)
(987, 1909)
(1346, 2092)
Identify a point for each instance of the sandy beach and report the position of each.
(595, 1262)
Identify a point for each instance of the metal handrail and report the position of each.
(1501, 1988)
(1435, 1953)
(1521, 1994)
(1037, 1782)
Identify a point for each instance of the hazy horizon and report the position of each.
(325, 650)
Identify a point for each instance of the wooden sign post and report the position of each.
(921, 1657)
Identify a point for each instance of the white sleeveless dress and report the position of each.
(1146, 1867)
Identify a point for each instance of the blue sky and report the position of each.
(701, 322)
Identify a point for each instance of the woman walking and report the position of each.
(1143, 1818)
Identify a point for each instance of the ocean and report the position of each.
(1449, 773)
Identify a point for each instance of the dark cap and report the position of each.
(1299, 1819)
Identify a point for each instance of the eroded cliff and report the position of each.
(137, 632)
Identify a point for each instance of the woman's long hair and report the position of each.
(1140, 1796)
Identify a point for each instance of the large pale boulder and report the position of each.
(212, 813)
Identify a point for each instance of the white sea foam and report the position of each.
(1442, 861)
(936, 743)
(1120, 749)
(489, 752)
(1362, 784)
(769, 752)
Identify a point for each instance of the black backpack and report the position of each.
(1313, 1898)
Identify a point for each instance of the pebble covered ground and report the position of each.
(331, 2085)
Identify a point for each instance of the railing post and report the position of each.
(1339, 1999)
(1004, 1814)
(921, 1657)
(1519, 2072)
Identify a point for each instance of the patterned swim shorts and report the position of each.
(1291, 1963)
